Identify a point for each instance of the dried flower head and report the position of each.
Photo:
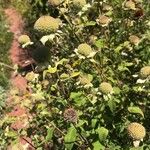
(46, 24)
(79, 3)
(105, 88)
(129, 5)
(145, 71)
(104, 20)
(70, 115)
(54, 2)
(23, 39)
(134, 39)
(136, 131)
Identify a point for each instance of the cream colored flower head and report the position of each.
(106, 88)
(54, 2)
(103, 20)
(84, 50)
(79, 3)
(23, 39)
(136, 131)
(134, 40)
(145, 71)
(129, 5)
(46, 24)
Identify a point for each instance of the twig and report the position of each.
(8, 66)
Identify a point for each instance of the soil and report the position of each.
(19, 57)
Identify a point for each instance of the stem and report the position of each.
(82, 137)
(7, 66)
(70, 24)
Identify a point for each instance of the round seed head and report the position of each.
(23, 39)
(79, 3)
(84, 49)
(134, 39)
(70, 115)
(54, 2)
(105, 88)
(104, 20)
(145, 71)
(46, 24)
(136, 131)
(30, 76)
(130, 5)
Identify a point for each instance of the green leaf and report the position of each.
(136, 110)
(64, 76)
(49, 134)
(74, 74)
(78, 98)
(90, 23)
(112, 105)
(103, 133)
(70, 138)
(93, 123)
(118, 49)
(100, 43)
(98, 146)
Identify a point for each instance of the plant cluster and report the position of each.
(89, 88)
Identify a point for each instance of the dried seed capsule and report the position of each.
(70, 115)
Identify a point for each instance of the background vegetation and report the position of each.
(69, 107)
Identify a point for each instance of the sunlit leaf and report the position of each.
(70, 138)
(103, 133)
(98, 146)
(136, 110)
(49, 134)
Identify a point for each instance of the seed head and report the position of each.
(54, 2)
(104, 20)
(136, 131)
(105, 88)
(46, 24)
(130, 5)
(70, 115)
(134, 39)
(145, 71)
(23, 39)
(84, 49)
(79, 3)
